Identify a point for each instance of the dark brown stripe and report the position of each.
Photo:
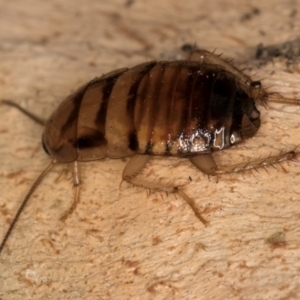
(73, 117)
(183, 92)
(140, 101)
(106, 91)
(227, 118)
(90, 141)
(154, 91)
(222, 98)
(172, 84)
(145, 104)
(201, 98)
(133, 143)
(132, 96)
(188, 91)
(148, 149)
(184, 119)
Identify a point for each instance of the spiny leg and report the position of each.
(206, 164)
(260, 163)
(76, 185)
(136, 164)
(193, 206)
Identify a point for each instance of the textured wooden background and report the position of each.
(121, 243)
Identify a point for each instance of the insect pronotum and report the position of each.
(188, 108)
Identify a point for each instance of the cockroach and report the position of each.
(185, 108)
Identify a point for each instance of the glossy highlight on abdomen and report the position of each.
(179, 108)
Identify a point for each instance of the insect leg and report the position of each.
(76, 184)
(260, 163)
(206, 164)
(136, 164)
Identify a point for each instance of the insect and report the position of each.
(188, 109)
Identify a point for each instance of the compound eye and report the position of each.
(255, 84)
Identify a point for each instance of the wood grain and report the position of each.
(121, 242)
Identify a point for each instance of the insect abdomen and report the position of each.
(175, 108)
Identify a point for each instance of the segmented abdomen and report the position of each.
(176, 108)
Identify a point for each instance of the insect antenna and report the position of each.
(31, 191)
(25, 112)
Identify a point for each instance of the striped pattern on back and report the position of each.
(178, 108)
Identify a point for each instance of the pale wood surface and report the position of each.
(121, 243)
